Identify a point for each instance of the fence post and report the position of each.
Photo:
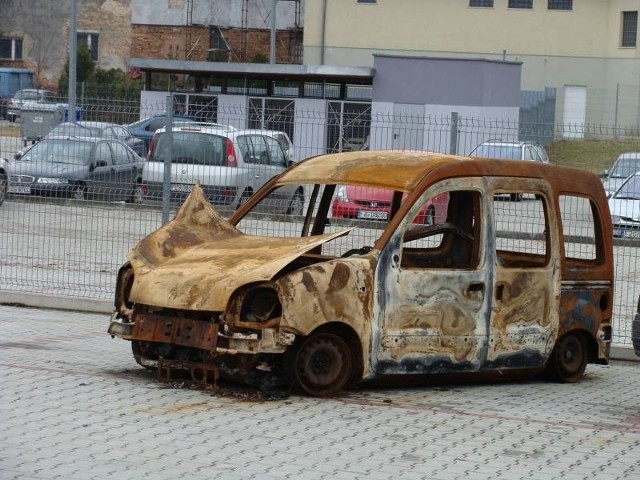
(166, 181)
(453, 134)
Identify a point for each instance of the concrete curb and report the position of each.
(36, 300)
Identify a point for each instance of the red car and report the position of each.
(368, 203)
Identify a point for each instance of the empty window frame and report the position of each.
(11, 48)
(481, 3)
(560, 5)
(578, 228)
(521, 238)
(454, 243)
(629, 31)
(89, 40)
(520, 4)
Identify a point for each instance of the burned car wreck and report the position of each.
(485, 287)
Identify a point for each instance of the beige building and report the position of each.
(586, 49)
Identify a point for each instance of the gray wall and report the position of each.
(446, 81)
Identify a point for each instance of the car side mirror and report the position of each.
(604, 174)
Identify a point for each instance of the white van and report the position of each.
(230, 165)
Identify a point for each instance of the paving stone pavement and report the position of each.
(75, 406)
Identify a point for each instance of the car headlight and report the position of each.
(52, 180)
(260, 304)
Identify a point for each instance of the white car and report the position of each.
(4, 178)
(625, 165)
(229, 163)
(624, 205)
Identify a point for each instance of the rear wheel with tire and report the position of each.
(569, 358)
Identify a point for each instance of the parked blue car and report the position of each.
(145, 128)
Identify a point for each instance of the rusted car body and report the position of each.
(323, 304)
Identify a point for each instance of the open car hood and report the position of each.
(197, 260)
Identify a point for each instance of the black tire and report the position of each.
(296, 206)
(4, 186)
(568, 359)
(79, 193)
(323, 365)
(243, 199)
(138, 195)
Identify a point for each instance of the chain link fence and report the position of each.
(66, 231)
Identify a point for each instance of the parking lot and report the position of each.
(74, 405)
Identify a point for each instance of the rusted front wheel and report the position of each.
(569, 358)
(323, 365)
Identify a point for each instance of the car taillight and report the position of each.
(152, 146)
(231, 154)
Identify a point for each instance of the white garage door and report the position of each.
(575, 110)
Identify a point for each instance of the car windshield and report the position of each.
(509, 152)
(193, 148)
(630, 190)
(625, 166)
(71, 152)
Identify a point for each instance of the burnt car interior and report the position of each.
(452, 244)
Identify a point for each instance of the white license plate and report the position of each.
(631, 233)
(181, 187)
(22, 189)
(368, 215)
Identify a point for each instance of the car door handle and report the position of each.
(475, 287)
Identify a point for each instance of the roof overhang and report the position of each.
(362, 75)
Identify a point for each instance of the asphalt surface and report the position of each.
(74, 405)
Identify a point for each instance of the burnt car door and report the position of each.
(525, 304)
(435, 284)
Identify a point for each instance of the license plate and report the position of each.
(631, 233)
(22, 189)
(181, 187)
(368, 215)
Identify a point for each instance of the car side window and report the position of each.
(276, 154)
(247, 149)
(454, 243)
(103, 154)
(120, 154)
(528, 153)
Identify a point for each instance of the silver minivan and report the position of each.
(230, 165)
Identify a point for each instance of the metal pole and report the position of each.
(166, 180)
(453, 135)
(272, 55)
(73, 49)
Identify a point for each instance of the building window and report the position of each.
(218, 47)
(481, 3)
(560, 5)
(90, 40)
(629, 29)
(520, 4)
(11, 48)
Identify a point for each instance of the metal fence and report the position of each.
(71, 245)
